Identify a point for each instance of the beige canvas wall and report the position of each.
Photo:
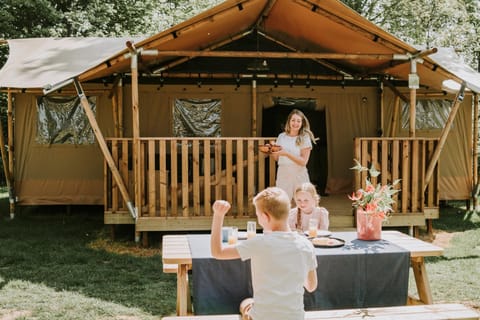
(56, 174)
(67, 174)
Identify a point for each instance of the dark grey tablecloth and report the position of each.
(359, 274)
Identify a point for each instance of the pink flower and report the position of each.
(375, 199)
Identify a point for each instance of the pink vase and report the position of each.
(369, 225)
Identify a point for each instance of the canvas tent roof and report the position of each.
(301, 26)
(36, 62)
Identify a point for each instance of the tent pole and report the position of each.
(104, 148)
(120, 107)
(12, 196)
(6, 169)
(254, 108)
(475, 149)
(443, 137)
(413, 84)
(136, 129)
(6, 166)
(114, 97)
(381, 132)
(396, 110)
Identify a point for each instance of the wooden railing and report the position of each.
(182, 176)
(405, 159)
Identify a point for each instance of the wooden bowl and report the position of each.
(265, 148)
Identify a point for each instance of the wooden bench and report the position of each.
(416, 312)
(170, 268)
(173, 268)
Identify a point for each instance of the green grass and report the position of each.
(56, 264)
(455, 276)
(49, 269)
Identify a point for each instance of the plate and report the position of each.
(324, 242)
(321, 233)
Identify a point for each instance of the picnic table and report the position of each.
(177, 252)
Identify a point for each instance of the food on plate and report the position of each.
(326, 242)
(322, 241)
(269, 148)
(265, 148)
(275, 148)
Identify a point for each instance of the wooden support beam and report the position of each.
(4, 154)
(6, 164)
(277, 55)
(254, 108)
(104, 148)
(443, 137)
(136, 131)
(11, 152)
(413, 113)
(475, 147)
(395, 115)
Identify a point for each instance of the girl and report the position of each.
(307, 202)
(296, 142)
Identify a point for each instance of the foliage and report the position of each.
(374, 200)
(440, 23)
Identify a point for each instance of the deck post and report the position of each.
(136, 131)
(12, 196)
(413, 84)
(6, 167)
(475, 149)
(254, 108)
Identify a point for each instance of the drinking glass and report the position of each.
(232, 235)
(312, 227)
(251, 229)
(225, 231)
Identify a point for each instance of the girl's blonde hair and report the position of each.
(273, 201)
(310, 188)
(304, 130)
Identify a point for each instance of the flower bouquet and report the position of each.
(373, 204)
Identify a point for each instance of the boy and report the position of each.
(282, 261)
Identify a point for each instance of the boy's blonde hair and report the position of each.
(273, 201)
(310, 188)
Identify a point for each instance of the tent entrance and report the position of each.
(273, 122)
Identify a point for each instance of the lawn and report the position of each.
(61, 264)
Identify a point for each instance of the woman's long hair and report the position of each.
(304, 130)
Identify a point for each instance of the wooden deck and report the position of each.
(174, 181)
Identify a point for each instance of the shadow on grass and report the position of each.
(454, 217)
(51, 245)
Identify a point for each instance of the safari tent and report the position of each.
(154, 129)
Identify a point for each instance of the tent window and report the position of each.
(429, 115)
(61, 120)
(197, 117)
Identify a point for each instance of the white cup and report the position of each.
(232, 235)
(225, 231)
(251, 229)
(312, 227)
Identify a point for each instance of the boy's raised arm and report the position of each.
(220, 208)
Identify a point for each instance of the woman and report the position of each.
(296, 142)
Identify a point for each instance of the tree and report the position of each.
(439, 23)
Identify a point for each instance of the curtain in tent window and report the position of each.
(61, 120)
(429, 115)
(197, 117)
